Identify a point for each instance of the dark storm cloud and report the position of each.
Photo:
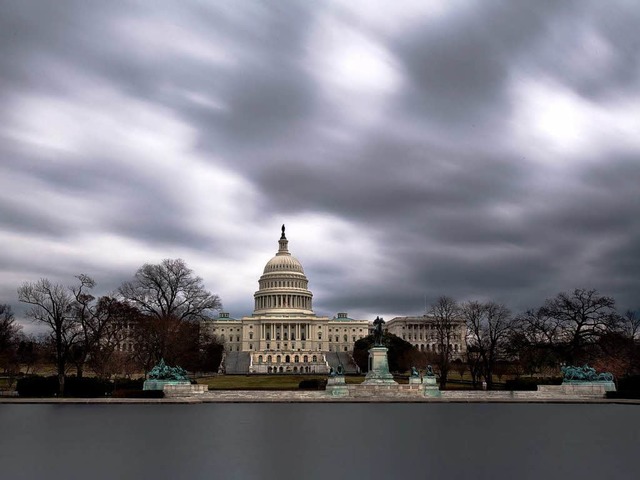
(459, 68)
(421, 157)
(388, 179)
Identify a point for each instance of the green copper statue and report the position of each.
(163, 371)
(584, 374)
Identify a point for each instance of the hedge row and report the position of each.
(530, 384)
(312, 384)
(86, 387)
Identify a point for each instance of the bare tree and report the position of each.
(488, 325)
(88, 323)
(101, 323)
(51, 304)
(8, 328)
(534, 341)
(170, 289)
(582, 317)
(110, 327)
(446, 316)
(630, 325)
(167, 294)
(9, 341)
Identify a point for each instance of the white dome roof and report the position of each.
(283, 263)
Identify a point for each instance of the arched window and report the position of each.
(259, 358)
(287, 359)
(268, 358)
(345, 338)
(314, 358)
(305, 359)
(296, 359)
(278, 359)
(250, 335)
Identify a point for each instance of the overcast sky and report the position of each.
(478, 149)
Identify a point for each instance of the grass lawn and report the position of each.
(263, 382)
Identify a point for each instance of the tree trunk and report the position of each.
(61, 384)
(444, 373)
(60, 364)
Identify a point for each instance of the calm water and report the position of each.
(319, 441)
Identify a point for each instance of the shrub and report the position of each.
(312, 384)
(630, 394)
(37, 386)
(128, 384)
(138, 394)
(87, 387)
(530, 384)
(630, 383)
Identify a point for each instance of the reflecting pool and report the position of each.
(319, 441)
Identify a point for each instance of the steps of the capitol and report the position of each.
(336, 358)
(236, 363)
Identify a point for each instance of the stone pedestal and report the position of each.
(579, 389)
(181, 390)
(415, 380)
(160, 384)
(431, 388)
(337, 386)
(379, 368)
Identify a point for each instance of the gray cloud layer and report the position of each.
(476, 150)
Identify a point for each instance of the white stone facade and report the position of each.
(421, 332)
(284, 335)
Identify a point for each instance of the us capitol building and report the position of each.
(284, 335)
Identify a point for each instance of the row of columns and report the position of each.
(283, 301)
(289, 328)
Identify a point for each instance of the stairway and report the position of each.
(237, 363)
(336, 358)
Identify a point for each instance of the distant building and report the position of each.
(284, 335)
(421, 332)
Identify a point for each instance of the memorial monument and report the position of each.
(378, 373)
(173, 381)
(162, 374)
(581, 381)
(430, 384)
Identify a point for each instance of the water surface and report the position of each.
(319, 441)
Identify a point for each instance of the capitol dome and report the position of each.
(283, 284)
(283, 262)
